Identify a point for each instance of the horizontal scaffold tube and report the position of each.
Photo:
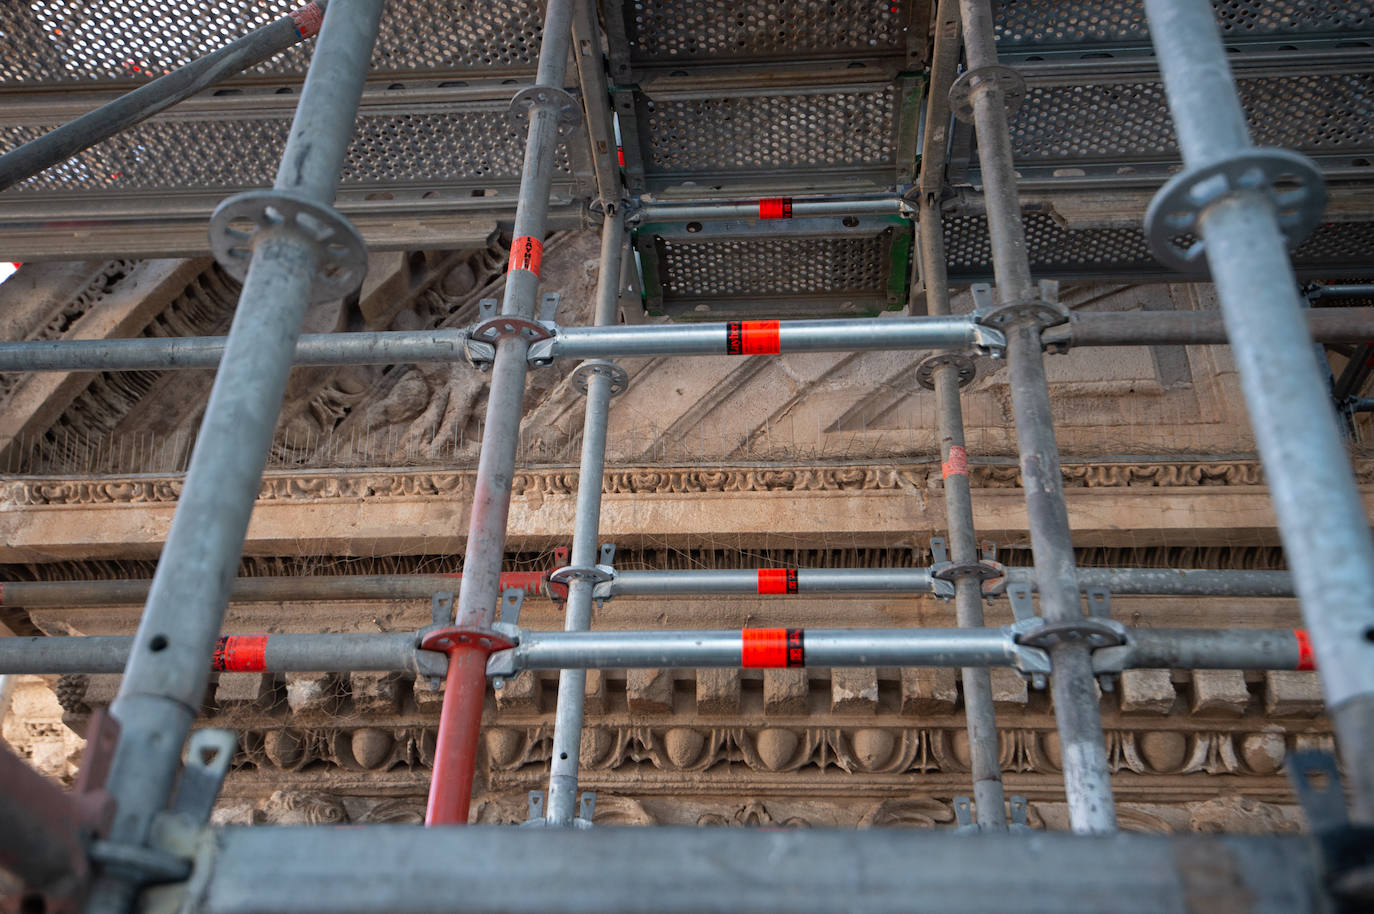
(763, 581)
(320, 349)
(379, 652)
(1209, 649)
(67, 594)
(1177, 648)
(771, 581)
(1196, 328)
(166, 353)
(1328, 325)
(1181, 582)
(768, 647)
(775, 208)
(784, 581)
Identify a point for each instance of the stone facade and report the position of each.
(805, 460)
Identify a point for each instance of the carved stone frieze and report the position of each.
(315, 807)
(317, 486)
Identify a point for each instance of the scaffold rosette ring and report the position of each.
(1291, 180)
(238, 220)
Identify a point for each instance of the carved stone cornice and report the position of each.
(315, 486)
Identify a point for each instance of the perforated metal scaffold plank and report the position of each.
(710, 271)
(433, 130)
(1334, 250)
(807, 137)
(1117, 123)
(61, 42)
(672, 32)
(1068, 29)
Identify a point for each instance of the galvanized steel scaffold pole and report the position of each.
(547, 107)
(167, 672)
(1229, 190)
(1073, 687)
(947, 374)
(599, 376)
(142, 103)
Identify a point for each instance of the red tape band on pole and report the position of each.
(1307, 659)
(240, 654)
(308, 19)
(526, 253)
(772, 647)
(957, 464)
(775, 208)
(751, 338)
(777, 580)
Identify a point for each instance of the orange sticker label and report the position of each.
(1307, 658)
(772, 647)
(777, 580)
(526, 253)
(751, 338)
(957, 464)
(775, 208)
(240, 654)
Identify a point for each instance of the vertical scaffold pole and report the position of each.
(165, 679)
(572, 684)
(545, 104)
(1322, 523)
(1073, 688)
(989, 802)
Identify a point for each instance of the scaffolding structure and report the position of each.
(134, 834)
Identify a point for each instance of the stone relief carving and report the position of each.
(1235, 815)
(40, 492)
(719, 751)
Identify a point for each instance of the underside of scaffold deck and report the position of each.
(766, 178)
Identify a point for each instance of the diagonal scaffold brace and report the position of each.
(285, 262)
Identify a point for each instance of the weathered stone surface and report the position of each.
(785, 691)
(649, 691)
(1291, 693)
(1009, 691)
(102, 688)
(521, 694)
(595, 702)
(319, 693)
(428, 697)
(237, 690)
(929, 690)
(718, 691)
(854, 690)
(1147, 691)
(1219, 693)
(1163, 750)
(375, 693)
(1263, 753)
(371, 746)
